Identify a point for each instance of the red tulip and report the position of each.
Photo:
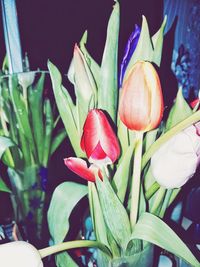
(194, 103)
(141, 104)
(100, 144)
(99, 140)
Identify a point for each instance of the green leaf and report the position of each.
(57, 140)
(48, 132)
(121, 177)
(152, 229)
(64, 199)
(122, 133)
(157, 41)
(5, 143)
(97, 216)
(85, 88)
(66, 108)
(3, 187)
(180, 111)
(36, 110)
(114, 212)
(108, 91)
(94, 67)
(144, 48)
(63, 259)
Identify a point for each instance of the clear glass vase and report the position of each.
(28, 198)
(141, 259)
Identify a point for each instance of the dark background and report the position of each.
(49, 29)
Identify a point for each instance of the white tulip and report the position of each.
(19, 254)
(176, 161)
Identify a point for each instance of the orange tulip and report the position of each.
(141, 103)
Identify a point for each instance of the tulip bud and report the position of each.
(100, 144)
(19, 254)
(26, 79)
(99, 140)
(141, 103)
(176, 161)
(129, 50)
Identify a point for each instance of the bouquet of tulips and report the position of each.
(134, 162)
(27, 140)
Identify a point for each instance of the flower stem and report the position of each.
(152, 190)
(73, 244)
(135, 190)
(158, 201)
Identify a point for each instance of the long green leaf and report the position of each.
(157, 40)
(114, 212)
(121, 177)
(152, 229)
(36, 110)
(3, 187)
(48, 132)
(64, 104)
(94, 67)
(98, 220)
(57, 140)
(108, 91)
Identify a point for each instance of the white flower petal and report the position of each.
(176, 160)
(19, 254)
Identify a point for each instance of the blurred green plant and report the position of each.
(28, 137)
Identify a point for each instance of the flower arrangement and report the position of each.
(126, 151)
(129, 158)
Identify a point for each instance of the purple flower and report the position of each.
(129, 50)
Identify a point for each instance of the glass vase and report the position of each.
(143, 258)
(28, 198)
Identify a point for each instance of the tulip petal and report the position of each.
(79, 166)
(19, 253)
(99, 140)
(175, 162)
(141, 103)
(135, 100)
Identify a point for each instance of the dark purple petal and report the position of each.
(129, 50)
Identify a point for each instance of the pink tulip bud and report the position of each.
(176, 161)
(141, 102)
(99, 140)
(19, 254)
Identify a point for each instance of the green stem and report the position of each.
(165, 137)
(165, 203)
(152, 190)
(25, 96)
(135, 190)
(73, 244)
(158, 201)
(174, 195)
